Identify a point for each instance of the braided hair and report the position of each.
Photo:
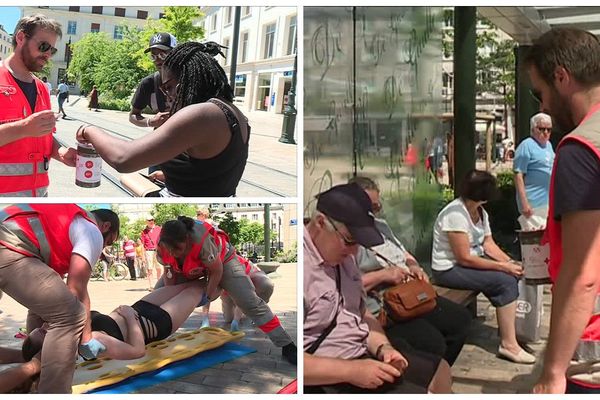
(200, 76)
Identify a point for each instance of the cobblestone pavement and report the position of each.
(478, 370)
(264, 371)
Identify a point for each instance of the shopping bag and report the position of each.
(529, 312)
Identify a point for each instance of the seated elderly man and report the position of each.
(345, 348)
(443, 330)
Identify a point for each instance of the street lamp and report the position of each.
(278, 233)
(289, 113)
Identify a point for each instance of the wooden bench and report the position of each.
(467, 298)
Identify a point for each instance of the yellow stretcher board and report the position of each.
(101, 372)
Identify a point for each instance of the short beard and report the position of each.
(563, 115)
(29, 61)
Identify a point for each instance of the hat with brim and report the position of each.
(162, 41)
(350, 205)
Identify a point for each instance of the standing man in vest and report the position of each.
(26, 118)
(39, 244)
(150, 236)
(148, 93)
(564, 67)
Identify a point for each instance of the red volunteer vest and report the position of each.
(46, 226)
(589, 344)
(193, 267)
(24, 162)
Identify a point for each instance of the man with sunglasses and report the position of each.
(345, 348)
(39, 245)
(533, 165)
(26, 118)
(564, 69)
(149, 93)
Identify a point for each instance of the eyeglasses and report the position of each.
(543, 129)
(536, 94)
(347, 242)
(44, 46)
(159, 56)
(167, 90)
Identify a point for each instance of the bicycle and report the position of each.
(117, 271)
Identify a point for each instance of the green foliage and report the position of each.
(163, 212)
(251, 232)
(179, 22)
(87, 53)
(288, 256)
(231, 226)
(114, 104)
(503, 213)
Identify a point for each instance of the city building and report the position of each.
(5, 43)
(76, 21)
(283, 218)
(266, 50)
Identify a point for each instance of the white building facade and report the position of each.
(76, 21)
(266, 50)
(5, 43)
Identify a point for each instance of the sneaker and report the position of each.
(290, 353)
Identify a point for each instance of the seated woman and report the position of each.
(203, 147)
(443, 330)
(126, 330)
(465, 256)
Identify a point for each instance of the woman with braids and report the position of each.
(192, 249)
(203, 147)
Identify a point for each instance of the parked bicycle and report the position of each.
(117, 271)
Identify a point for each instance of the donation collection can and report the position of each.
(534, 257)
(89, 166)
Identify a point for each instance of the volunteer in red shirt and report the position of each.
(26, 118)
(564, 68)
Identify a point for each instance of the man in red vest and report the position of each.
(26, 118)
(39, 245)
(564, 67)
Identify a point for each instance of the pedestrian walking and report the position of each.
(140, 259)
(26, 118)
(129, 251)
(40, 244)
(63, 95)
(149, 238)
(93, 103)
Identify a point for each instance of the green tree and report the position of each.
(165, 212)
(251, 232)
(118, 72)
(87, 53)
(179, 21)
(231, 226)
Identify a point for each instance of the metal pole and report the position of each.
(465, 51)
(267, 232)
(279, 233)
(68, 61)
(289, 113)
(234, 47)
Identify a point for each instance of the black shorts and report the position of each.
(104, 323)
(156, 323)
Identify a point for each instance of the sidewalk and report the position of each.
(262, 372)
(270, 171)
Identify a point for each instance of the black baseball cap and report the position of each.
(162, 40)
(350, 205)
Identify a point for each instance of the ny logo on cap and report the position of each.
(157, 38)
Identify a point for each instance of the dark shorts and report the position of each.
(416, 378)
(104, 323)
(499, 287)
(156, 323)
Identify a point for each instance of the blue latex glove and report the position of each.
(91, 349)
(235, 325)
(205, 322)
(203, 300)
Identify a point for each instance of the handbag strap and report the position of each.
(388, 262)
(333, 324)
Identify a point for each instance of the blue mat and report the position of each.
(227, 352)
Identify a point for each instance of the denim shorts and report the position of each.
(499, 287)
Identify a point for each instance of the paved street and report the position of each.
(262, 372)
(270, 171)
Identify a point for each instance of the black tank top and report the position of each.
(211, 177)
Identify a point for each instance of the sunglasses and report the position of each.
(536, 94)
(44, 46)
(542, 129)
(166, 90)
(159, 56)
(348, 242)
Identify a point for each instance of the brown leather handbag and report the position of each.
(409, 299)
